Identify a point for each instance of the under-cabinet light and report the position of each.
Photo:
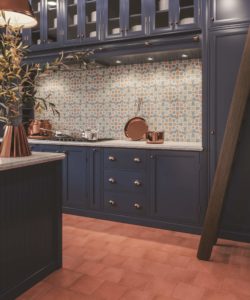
(150, 59)
(118, 61)
(184, 55)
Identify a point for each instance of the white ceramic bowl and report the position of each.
(93, 16)
(92, 34)
(163, 4)
(136, 28)
(116, 30)
(187, 21)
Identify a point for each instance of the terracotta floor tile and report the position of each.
(63, 294)
(138, 295)
(184, 291)
(105, 260)
(136, 280)
(86, 285)
(110, 290)
(113, 274)
(237, 285)
(39, 290)
(63, 278)
(91, 268)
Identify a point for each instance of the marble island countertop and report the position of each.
(186, 146)
(35, 159)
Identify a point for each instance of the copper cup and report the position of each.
(155, 137)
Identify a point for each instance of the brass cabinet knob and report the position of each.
(112, 180)
(111, 158)
(137, 206)
(137, 160)
(137, 182)
(112, 203)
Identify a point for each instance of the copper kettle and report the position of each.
(39, 128)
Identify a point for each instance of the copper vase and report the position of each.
(15, 142)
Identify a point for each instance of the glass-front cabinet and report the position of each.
(171, 15)
(123, 18)
(47, 32)
(82, 20)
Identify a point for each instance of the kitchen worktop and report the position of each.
(126, 144)
(35, 159)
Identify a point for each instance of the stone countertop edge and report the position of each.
(35, 159)
(184, 146)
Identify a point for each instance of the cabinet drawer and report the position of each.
(124, 181)
(131, 203)
(124, 159)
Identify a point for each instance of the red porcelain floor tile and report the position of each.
(63, 278)
(113, 274)
(113, 260)
(91, 268)
(36, 291)
(184, 291)
(138, 295)
(136, 280)
(63, 294)
(86, 285)
(110, 290)
(237, 285)
(217, 295)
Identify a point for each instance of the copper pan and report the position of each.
(137, 127)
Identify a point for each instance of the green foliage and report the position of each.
(17, 79)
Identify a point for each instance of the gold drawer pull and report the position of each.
(137, 160)
(137, 206)
(111, 158)
(112, 203)
(137, 183)
(112, 180)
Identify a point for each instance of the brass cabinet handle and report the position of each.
(137, 160)
(112, 203)
(111, 158)
(112, 180)
(137, 182)
(137, 206)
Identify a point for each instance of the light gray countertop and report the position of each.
(127, 144)
(35, 159)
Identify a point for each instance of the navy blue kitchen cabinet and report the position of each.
(64, 23)
(225, 12)
(175, 188)
(75, 178)
(225, 51)
(125, 182)
(49, 32)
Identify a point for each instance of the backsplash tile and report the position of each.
(105, 98)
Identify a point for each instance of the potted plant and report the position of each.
(17, 87)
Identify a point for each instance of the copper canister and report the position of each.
(155, 137)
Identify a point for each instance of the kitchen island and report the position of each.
(30, 221)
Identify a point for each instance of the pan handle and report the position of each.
(140, 100)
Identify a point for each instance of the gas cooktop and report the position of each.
(72, 139)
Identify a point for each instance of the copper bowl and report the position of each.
(155, 137)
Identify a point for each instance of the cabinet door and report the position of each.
(75, 178)
(92, 13)
(35, 35)
(73, 25)
(135, 19)
(96, 177)
(113, 19)
(226, 48)
(187, 14)
(224, 12)
(161, 18)
(175, 187)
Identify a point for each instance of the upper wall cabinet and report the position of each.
(48, 32)
(81, 21)
(224, 12)
(167, 15)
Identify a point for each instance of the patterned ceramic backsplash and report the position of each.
(105, 98)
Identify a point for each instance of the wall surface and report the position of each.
(106, 98)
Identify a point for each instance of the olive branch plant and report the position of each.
(18, 80)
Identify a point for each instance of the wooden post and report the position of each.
(226, 157)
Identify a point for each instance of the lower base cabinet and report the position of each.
(175, 187)
(141, 186)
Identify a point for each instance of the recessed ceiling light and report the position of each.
(150, 58)
(52, 3)
(118, 61)
(184, 55)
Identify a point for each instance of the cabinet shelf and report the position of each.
(71, 5)
(187, 7)
(114, 19)
(135, 16)
(162, 11)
